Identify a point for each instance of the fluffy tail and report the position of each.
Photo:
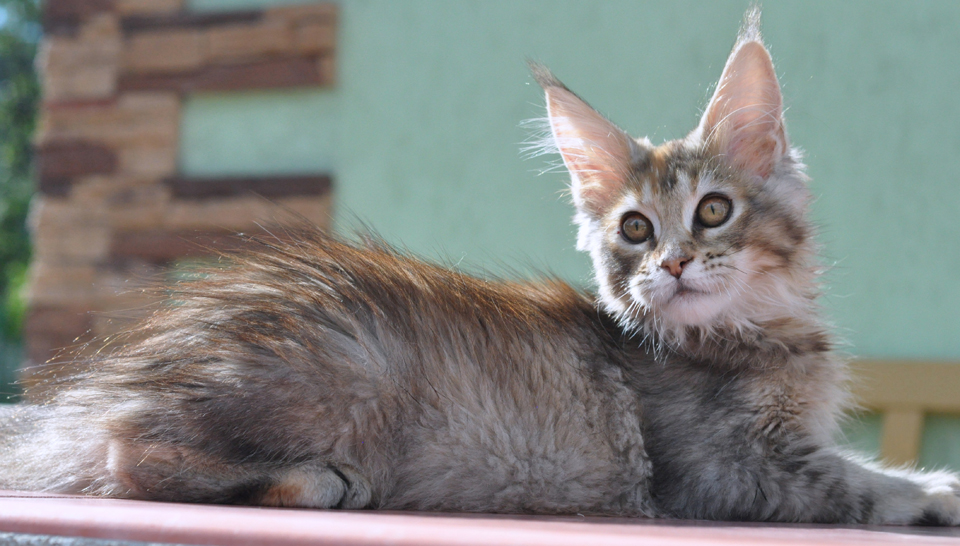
(42, 449)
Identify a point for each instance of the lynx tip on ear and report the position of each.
(750, 28)
(544, 77)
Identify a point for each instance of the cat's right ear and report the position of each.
(598, 154)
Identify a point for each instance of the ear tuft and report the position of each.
(750, 28)
(598, 154)
(544, 77)
(744, 121)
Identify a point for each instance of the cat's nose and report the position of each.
(675, 265)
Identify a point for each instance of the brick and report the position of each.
(268, 187)
(64, 16)
(110, 190)
(303, 13)
(141, 216)
(277, 73)
(165, 51)
(122, 202)
(134, 119)
(62, 323)
(75, 8)
(82, 67)
(53, 213)
(147, 7)
(64, 233)
(60, 53)
(315, 210)
(148, 161)
(248, 41)
(197, 239)
(244, 213)
(81, 83)
(316, 37)
(162, 247)
(87, 244)
(59, 162)
(281, 73)
(55, 187)
(102, 26)
(131, 282)
(69, 321)
(130, 291)
(62, 284)
(53, 334)
(186, 19)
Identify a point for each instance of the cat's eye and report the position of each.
(635, 228)
(714, 210)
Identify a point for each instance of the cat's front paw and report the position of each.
(942, 504)
(940, 510)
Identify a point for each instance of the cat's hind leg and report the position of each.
(173, 473)
(154, 471)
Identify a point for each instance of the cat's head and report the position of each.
(701, 234)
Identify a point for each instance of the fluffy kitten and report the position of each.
(700, 383)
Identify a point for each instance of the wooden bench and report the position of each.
(239, 526)
(904, 393)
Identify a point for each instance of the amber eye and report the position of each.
(635, 228)
(714, 210)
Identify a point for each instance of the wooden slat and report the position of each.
(902, 431)
(933, 387)
(904, 392)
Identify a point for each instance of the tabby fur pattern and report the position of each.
(700, 382)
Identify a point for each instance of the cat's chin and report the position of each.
(688, 307)
(672, 311)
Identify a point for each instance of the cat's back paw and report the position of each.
(318, 486)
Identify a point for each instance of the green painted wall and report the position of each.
(286, 132)
(423, 135)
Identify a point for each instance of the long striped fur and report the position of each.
(700, 382)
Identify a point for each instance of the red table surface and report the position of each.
(34, 513)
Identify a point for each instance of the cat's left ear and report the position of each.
(743, 123)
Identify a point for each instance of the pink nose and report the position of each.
(675, 265)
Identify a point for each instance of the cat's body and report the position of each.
(700, 383)
(406, 376)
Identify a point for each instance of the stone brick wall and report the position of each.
(112, 208)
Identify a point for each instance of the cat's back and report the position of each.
(509, 393)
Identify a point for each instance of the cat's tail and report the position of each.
(43, 449)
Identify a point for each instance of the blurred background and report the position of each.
(165, 126)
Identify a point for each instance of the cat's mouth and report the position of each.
(685, 291)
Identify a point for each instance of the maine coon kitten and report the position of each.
(699, 383)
